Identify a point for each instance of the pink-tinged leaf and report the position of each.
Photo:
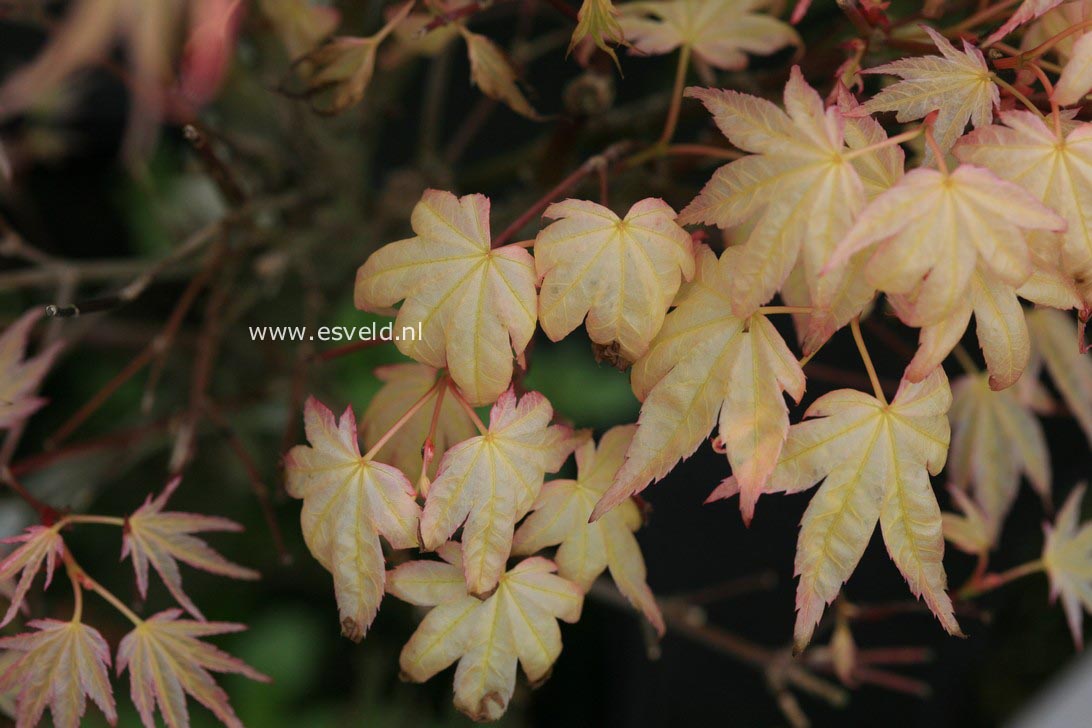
(167, 660)
(491, 481)
(19, 376)
(40, 545)
(1029, 10)
(1076, 79)
(163, 538)
(348, 502)
(60, 665)
(515, 625)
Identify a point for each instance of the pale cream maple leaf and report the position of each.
(971, 530)
(19, 375)
(1055, 344)
(560, 517)
(707, 362)
(879, 169)
(39, 545)
(1067, 558)
(1055, 23)
(995, 440)
(491, 481)
(403, 385)
(621, 273)
(1076, 80)
(492, 72)
(874, 459)
(488, 637)
(60, 665)
(938, 227)
(797, 189)
(474, 306)
(167, 660)
(348, 502)
(1055, 168)
(163, 538)
(719, 32)
(957, 84)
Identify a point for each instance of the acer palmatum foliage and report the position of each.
(932, 174)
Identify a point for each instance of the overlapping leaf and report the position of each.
(403, 385)
(1054, 339)
(1029, 10)
(163, 538)
(797, 191)
(622, 273)
(59, 665)
(936, 230)
(517, 623)
(491, 481)
(703, 362)
(39, 545)
(560, 516)
(720, 32)
(971, 530)
(995, 440)
(347, 503)
(957, 84)
(19, 375)
(874, 460)
(1067, 557)
(1076, 80)
(1057, 170)
(168, 660)
(473, 305)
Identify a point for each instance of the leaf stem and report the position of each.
(413, 409)
(889, 142)
(770, 310)
(1016, 93)
(989, 582)
(931, 140)
(676, 97)
(77, 572)
(1055, 112)
(468, 409)
(101, 520)
(855, 325)
(1019, 60)
(980, 17)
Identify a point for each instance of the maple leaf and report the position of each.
(19, 376)
(706, 361)
(404, 384)
(973, 531)
(944, 239)
(797, 191)
(517, 623)
(1067, 558)
(345, 65)
(874, 459)
(622, 273)
(1029, 10)
(167, 660)
(598, 20)
(473, 305)
(491, 481)
(719, 32)
(560, 516)
(40, 545)
(1054, 338)
(957, 84)
(60, 665)
(1076, 79)
(492, 72)
(299, 24)
(347, 503)
(995, 439)
(1053, 167)
(163, 538)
